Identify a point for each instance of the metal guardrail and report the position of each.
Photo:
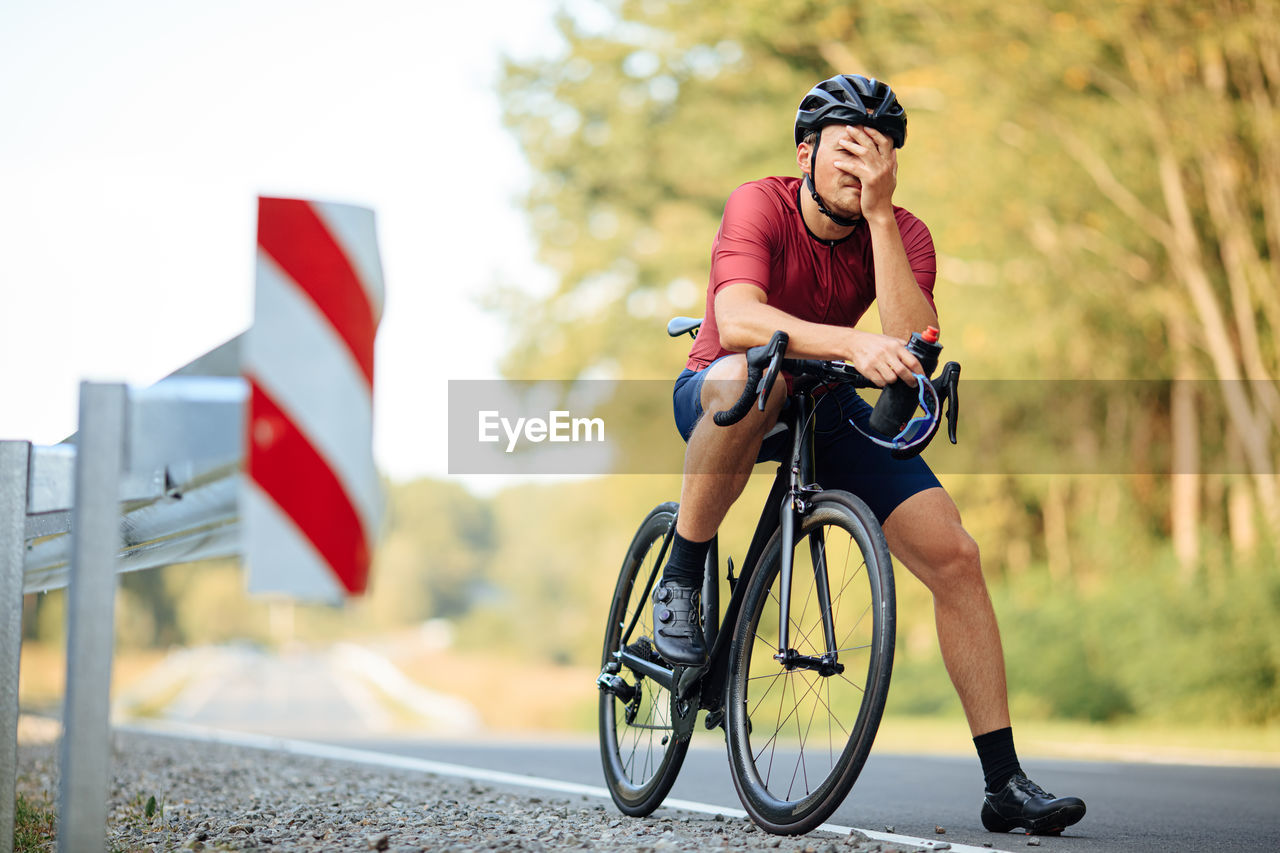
(151, 479)
(177, 493)
(154, 477)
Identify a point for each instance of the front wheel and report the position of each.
(638, 743)
(799, 734)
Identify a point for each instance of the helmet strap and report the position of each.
(842, 221)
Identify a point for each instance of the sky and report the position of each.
(136, 136)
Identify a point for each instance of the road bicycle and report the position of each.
(799, 680)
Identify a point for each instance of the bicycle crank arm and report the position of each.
(644, 666)
(687, 678)
(826, 665)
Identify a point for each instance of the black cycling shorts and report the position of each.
(845, 458)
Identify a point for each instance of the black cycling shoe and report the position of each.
(677, 622)
(1022, 804)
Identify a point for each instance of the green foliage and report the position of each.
(50, 617)
(1120, 635)
(1140, 646)
(1100, 180)
(556, 564)
(212, 606)
(1146, 644)
(145, 611)
(34, 824)
(433, 558)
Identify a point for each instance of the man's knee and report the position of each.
(953, 561)
(927, 534)
(960, 555)
(724, 384)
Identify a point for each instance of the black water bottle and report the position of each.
(898, 401)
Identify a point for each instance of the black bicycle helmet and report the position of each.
(852, 99)
(848, 99)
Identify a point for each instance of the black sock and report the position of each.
(687, 563)
(999, 758)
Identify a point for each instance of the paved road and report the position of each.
(1132, 807)
(295, 693)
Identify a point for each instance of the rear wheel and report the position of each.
(638, 743)
(799, 735)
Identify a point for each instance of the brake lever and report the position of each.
(948, 382)
(777, 349)
(766, 383)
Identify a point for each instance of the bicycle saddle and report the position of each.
(679, 325)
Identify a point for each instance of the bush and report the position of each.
(1146, 644)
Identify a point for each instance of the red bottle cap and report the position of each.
(930, 335)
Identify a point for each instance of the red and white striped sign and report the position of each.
(311, 501)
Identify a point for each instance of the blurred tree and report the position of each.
(1168, 113)
(1085, 164)
(434, 556)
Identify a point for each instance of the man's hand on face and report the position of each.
(869, 155)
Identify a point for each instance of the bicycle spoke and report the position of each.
(774, 675)
(805, 635)
(782, 722)
(641, 757)
(857, 624)
(797, 747)
(782, 672)
(802, 635)
(851, 578)
(853, 684)
(831, 743)
(838, 597)
(831, 712)
(777, 728)
(803, 736)
(798, 711)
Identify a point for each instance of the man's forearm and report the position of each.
(745, 320)
(754, 324)
(902, 305)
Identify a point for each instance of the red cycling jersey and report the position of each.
(763, 241)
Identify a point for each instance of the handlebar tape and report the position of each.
(770, 354)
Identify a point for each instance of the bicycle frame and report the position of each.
(788, 502)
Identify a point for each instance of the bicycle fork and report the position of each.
(796, 505)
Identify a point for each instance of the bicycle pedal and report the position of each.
(643, 648)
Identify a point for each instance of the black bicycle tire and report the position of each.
(632, 799)
(794, 817)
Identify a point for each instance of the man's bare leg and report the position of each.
(925, 533)
(718, 461)
(717, 466)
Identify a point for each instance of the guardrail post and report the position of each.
(84, 755)
(15, 459)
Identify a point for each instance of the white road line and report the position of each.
(477, 774)
(374, 717)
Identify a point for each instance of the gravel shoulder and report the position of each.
(221, 797)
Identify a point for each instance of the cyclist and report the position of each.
(809, 256)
